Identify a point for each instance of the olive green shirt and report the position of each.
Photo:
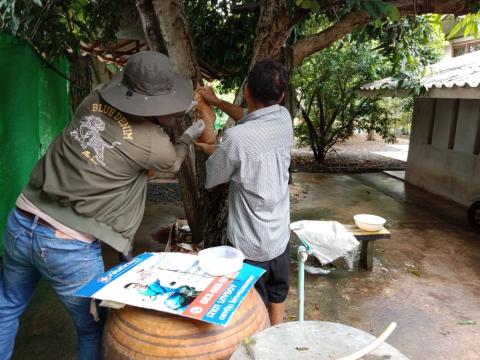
(93, 177)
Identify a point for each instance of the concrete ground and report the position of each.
(426, 277)
(399, 152)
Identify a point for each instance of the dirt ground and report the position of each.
(426, 277)
(355, 155)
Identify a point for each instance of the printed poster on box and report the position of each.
(174, 283)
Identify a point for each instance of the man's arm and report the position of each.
(232, 110)
(220, 166)
(166, 157)
(208, 149)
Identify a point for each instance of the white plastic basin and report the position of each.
(220, 260)
(369, 222)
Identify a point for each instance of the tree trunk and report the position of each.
(290, 101)
(322, 153)
(179, 45)
(273, 29)
(176, 36)
(371, 135)
(151, 26)
(80, 79)
(274, 26)
(206, 211)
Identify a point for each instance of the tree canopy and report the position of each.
(56, 27)
(325, 86)
(227, 34)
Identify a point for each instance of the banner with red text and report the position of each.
(174, 283)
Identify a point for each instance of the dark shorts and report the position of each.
(273, 285)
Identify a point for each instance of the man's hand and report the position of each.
(195, 130)
(208, 95)
(208, 149)
(234, 111)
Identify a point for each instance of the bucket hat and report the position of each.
(148, 87)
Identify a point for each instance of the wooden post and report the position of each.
(366, 254)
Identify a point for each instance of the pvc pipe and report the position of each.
(302, 256)
(373, 345)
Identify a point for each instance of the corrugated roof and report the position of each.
(460, 71)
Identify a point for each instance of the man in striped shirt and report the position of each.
(254, 157)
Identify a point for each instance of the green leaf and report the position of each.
(394, 14)
(424, 72)
(455, 30)
(410, 60)
(469, 29)
(112, 68)
(38, 2)
(306, 4)
(383, 7)
(314, 6)
(372, 10)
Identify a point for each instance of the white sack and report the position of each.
(329, 239)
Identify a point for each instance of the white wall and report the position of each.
(453, 173)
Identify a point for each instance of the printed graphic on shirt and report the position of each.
(117, 116)
(90, 139)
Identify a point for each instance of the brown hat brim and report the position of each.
(177, 100)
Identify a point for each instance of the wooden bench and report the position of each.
(367, 238)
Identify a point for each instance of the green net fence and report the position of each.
(34, 108)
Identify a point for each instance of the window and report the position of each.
(458, 51)
(466, 47)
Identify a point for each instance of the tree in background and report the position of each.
(326, 85)
(326, 82)
(387, 116)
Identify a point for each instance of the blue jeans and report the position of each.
(32, 250)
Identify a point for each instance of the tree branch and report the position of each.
(418, 7)
(355, 20)
(313, 43)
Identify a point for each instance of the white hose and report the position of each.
(373, 345)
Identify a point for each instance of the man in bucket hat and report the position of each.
(91, 186)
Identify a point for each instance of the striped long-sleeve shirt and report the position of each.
(254, 157)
